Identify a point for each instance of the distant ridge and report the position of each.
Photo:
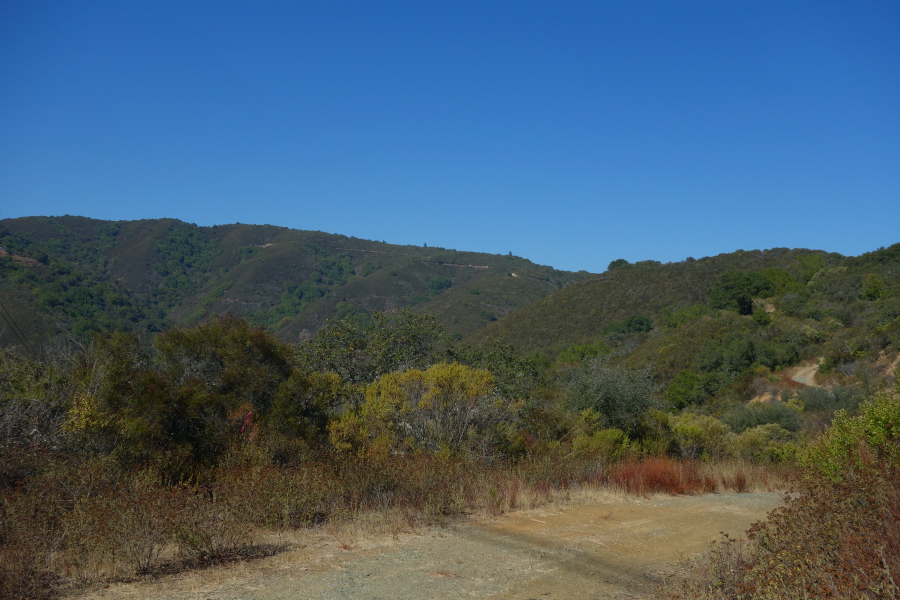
(145, 275)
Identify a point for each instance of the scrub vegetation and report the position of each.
(837, 536)
(71, 276)
(159, 431)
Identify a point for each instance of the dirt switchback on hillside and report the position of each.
(615, 547)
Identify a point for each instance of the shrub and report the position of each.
(608, 444)
(449, 408)
(213, 522)
(619, 395)
(816, 399)
(736, 289)
(830, 541)
(765, 443)
(745, 416)
(701, 436)
(126, 523)
(27, 542)
(579, 353)
(283, 498)
(25, 571)
(839, 537)
(654, 434)
(835, 454)
(685, 389)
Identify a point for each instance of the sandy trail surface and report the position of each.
(612, 547)
(806, 373)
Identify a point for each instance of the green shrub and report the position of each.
(816, 399)
(685, 389)
(765, 443)
(621, 396)
(654, 434)
(606, 444)
(736, 289)
(835, 454)
(701, 436)
(746, 416)
(582, 352)
(838, 537)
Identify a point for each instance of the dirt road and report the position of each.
(806, 373)
(612, 547)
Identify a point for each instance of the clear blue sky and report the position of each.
(570, 133)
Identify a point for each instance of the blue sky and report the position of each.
(570, 133)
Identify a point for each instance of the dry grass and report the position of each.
(85, 526)
(327, 547)
(742, 476)
(664, 475)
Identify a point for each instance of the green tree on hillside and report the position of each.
(685, 389)
(873, 287)
(515, 375)
(736, 289)
(223, 374)
(363, 352)
(439, 284)
(638, 324)
(620, 396)
(810, 264)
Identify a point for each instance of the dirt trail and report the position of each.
(806, 373)
(614, 547)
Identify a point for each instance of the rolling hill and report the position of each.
(584, 311)
(74, 275)
(726, 326)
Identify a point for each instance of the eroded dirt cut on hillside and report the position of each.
(616, 547)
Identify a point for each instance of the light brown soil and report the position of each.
(887, 365)
(805, 373)
(609, 547)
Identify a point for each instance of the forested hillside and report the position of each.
(649, 289)
(716, 332)
(73, 276)
(196, 391)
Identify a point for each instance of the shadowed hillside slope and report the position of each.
(76, 275)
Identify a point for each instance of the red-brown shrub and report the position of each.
(655, 475)
(738, 482)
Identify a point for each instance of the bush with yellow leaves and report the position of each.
(449, 409)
